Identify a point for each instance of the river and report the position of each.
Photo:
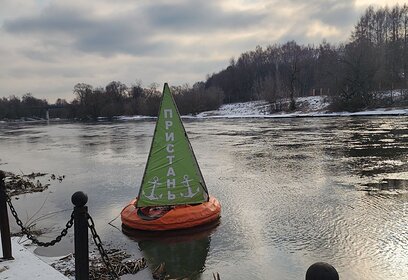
(293, 192)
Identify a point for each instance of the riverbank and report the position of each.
(311, 106)
(308, 107)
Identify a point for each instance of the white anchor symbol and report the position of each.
(155, 182)
(186, 182)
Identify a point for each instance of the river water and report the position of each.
(293, 192)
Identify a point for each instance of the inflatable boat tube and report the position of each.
(178, 217)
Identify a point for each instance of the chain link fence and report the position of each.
(114, 271)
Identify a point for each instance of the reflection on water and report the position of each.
(390, 186)
(184, 259)
(293, 192)
(182, 253)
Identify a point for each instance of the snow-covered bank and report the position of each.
(253, 108)
(377, 112)
(312, 106)
(26, 265)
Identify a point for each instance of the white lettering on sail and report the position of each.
(169, 112)
(169, 136)
(168, 124)
(170, 148)
(171, 183)
(170, 196)
(171, 172)
(170, 158)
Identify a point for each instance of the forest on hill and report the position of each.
(354, 75)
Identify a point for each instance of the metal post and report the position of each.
(322, 270)
(4, 221)
(79, 199)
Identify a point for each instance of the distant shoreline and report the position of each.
(395, 113)
(309, 107)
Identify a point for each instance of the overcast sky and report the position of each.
(48, 46)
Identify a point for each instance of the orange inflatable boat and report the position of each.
(177, 217)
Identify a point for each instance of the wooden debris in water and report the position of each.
(28, 183)
(97, 269)
(159, 272)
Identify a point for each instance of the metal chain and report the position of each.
(140, 264)
(98, 243)
(30, 236)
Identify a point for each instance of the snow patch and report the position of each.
(311, 106)
(313, 103)
(26, 265)
(239, 109)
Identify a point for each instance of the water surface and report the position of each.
(293, 192)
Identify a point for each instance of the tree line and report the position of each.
(114, 99)
(354, 75)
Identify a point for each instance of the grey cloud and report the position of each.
(201, 15)
(52, 19)
(133, 32)
(116, 37)
(108, 35)
(332, 12)
(342, 13)
(39, 55)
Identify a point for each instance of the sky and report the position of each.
(49, 46)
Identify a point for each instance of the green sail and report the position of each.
(172, 175)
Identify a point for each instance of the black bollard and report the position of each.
(321, 271)
(4, 221)
(79, 199)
